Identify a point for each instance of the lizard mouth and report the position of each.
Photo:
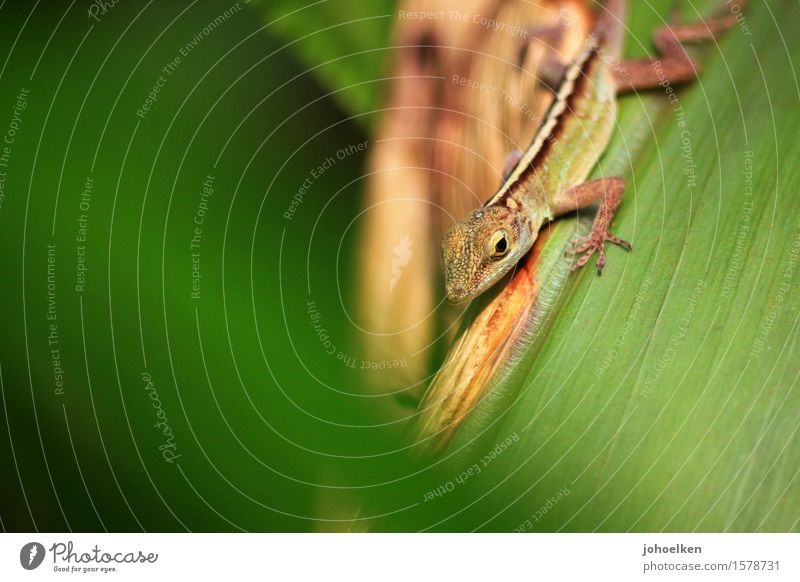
(457, 294)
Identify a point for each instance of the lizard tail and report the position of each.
(610, 25)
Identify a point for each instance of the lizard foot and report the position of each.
(592, 243)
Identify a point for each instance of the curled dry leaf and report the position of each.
(465, 93)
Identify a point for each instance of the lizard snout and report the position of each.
(456, 293)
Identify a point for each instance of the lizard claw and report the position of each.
(594, 242)
(676, 14)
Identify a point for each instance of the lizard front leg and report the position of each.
(512, 159)
(610, 190)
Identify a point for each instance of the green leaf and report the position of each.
(664, 394)
(343, 44)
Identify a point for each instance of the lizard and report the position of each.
(549, 178)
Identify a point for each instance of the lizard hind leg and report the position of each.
(675, 64)
(553, 65)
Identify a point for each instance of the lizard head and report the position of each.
(481, 249)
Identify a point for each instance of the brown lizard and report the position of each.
(549, 178)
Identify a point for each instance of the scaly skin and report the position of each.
(549, 178)
(574, 134)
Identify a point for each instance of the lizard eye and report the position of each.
(499, 244)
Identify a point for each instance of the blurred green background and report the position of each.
(161, 369)
(231, 362)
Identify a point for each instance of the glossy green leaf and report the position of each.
(343, 44)
(664, 395)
